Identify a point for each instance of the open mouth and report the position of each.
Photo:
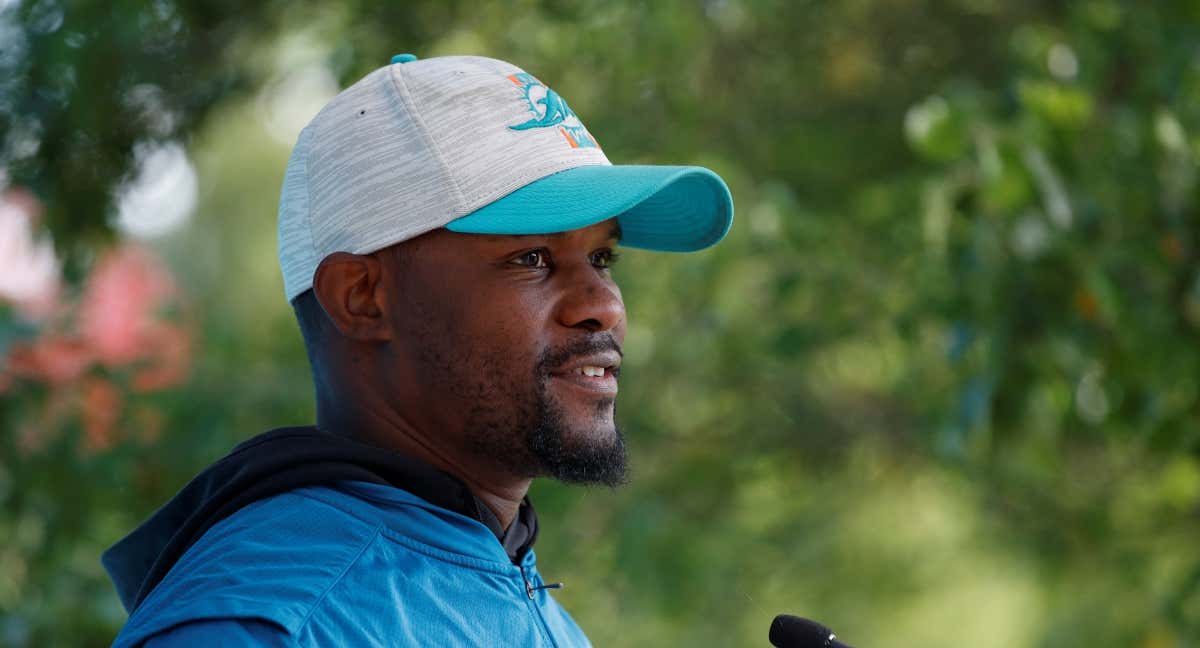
(596, 373)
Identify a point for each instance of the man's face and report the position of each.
(511, 346)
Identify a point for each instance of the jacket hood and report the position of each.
(276, 462)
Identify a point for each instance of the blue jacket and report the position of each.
(349, 564)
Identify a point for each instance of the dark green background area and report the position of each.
(939, 387)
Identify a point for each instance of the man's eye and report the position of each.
(604, 258)
(533, 259)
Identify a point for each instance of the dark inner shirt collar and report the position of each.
(447, 491)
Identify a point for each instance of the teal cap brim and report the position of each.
(667, 208)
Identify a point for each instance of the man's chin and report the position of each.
(593, 456)
(591, 466)
(578, 443)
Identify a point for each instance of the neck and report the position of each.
(378, 424)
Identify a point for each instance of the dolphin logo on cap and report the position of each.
(550, 109)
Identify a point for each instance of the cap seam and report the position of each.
(539, 172)
(393, 238)
(406, 96)
(308, 209)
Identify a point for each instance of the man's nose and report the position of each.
(591, 301)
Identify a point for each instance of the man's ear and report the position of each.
(350, 290)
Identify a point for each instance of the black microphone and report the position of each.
(789, 631)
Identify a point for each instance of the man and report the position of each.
(446, 232)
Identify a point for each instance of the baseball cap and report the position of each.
(475, 145)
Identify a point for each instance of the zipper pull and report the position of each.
(530, 588)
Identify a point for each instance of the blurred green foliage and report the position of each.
(940, 386)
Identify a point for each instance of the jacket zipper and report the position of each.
(531, 592)
(528, 584)
(530, 588)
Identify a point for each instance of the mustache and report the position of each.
(555, 357)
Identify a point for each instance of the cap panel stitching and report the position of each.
(406, 96)
(308, 207)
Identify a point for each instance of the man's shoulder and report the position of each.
(271, 561)
(355, 565)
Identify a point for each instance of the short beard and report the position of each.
(535, 439)
(582, 464)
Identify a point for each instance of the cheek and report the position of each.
(513, 327)
(491, 333)
(431, 344)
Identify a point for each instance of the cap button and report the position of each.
(404, 58)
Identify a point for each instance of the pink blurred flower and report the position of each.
(101, 409)
(119, 313)
(54, 359)
(30, 277)
(169, 361)
(121, 323)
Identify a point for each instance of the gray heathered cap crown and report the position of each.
(407, 149)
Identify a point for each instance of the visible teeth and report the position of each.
(595, 372)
